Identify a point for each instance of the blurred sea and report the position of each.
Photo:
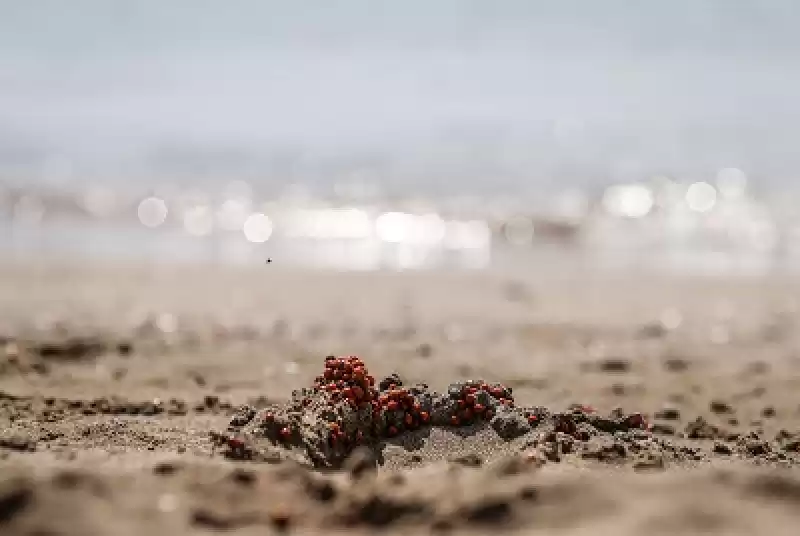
(403, 135)
(701, 228)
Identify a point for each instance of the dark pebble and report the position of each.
(165, 468)
(722, 448)
(15, 497)
(668, 414)
(792, 446)
(701, 429)
(663, 429)
(244, 477)
(491, 510)
(676, 364)
(757, 447)
(18, 443)
(468, 460)
(615, 365)
(425, 350)
(199, 379)
(380, 511)
(206, 518)
(720, 407)
(618, 389)
(509, 424)
(321, 489)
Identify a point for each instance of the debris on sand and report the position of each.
(346, 408)
(37, 355)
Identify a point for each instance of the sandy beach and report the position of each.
(403, 268)
(117, 383)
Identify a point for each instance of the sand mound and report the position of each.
(346, 408)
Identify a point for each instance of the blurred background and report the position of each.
(368, 135)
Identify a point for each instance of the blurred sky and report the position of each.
(653, 82)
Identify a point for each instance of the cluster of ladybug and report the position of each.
(475, 400)
(395, 408)
(389, 408)
(352, 406)
(347, 379)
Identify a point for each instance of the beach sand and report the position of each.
(113, 378)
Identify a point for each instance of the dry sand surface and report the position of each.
(139, 400)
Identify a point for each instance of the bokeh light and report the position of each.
(629, 200)
(401, 227)
(257, 228)
(701, 197)
(393, 227)
(152, 212)
(467, 235)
